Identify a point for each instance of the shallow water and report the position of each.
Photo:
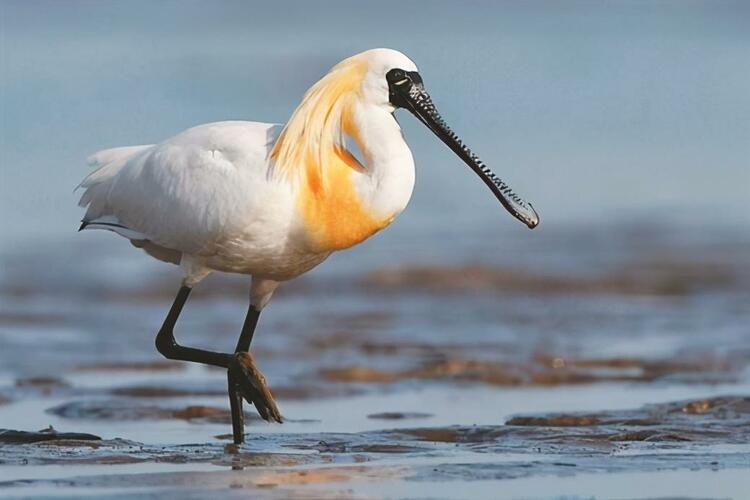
(469, 378)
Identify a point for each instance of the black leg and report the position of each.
(170, 349)
(244, 379)
(248, 329)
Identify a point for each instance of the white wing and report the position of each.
(184, 193)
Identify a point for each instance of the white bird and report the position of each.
(273, 201)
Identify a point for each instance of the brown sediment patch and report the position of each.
(542, 371)
(4, 400)
(556, 421)
(701, 406)
(384, 448)
(360, 374)
(724, 407)
(640, 422)
(131, 366)
(649, 435)
(9, 436)
(44, 382)
(633, 369)
(496, 373)
(721, 419)
(140, 391)
(206, 413)
(397, 415)
(333, 340)
(454, 434)
(380, 347)
(117, 410)
(638, 278)
(598, 433)
(444, 435)
(460, 369)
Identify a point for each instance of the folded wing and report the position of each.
(183, 194)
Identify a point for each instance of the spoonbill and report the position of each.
(274, 201)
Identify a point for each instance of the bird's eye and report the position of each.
(397, 77)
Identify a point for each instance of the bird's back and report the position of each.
(186, 192)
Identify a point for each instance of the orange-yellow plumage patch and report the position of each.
(318, 125)
(335, 216)
(311, 151)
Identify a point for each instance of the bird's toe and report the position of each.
(253, 386)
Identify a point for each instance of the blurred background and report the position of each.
(626, 124)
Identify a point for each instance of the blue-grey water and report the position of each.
(627, 124)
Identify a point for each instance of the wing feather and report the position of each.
(185, 193)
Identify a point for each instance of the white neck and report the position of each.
(387, 184)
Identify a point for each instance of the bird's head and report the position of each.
(387, 79)
(392, 80)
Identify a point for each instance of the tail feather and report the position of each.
(97, 184)
(110, 223)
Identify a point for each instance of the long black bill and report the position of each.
(408, 92)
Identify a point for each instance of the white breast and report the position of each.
(387, 186)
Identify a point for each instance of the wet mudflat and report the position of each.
(576, 375)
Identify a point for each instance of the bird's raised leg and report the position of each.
(245, 380)
(170, 349)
